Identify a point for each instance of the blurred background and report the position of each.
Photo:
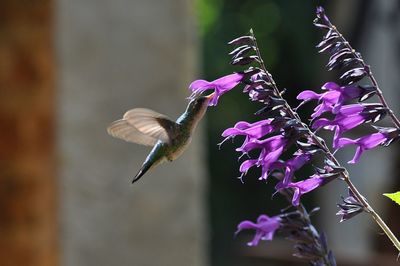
(70, 67)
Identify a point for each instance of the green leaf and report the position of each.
(393, 196)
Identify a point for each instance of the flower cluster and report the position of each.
(308, 243)
(334, 97)
(272, 136)
(296, 226)
(337, 99)
(278, 132)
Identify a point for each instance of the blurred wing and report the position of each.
(123, 130)
(152, 124)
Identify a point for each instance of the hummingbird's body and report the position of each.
(169, 139)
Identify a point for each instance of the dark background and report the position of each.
(287, 41)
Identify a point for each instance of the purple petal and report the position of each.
(289, 172)
(264, 228)
(221, 86)
(357, 155)
(200, 85)
(214, 100)
(352, 92)
(254, 130)
(259, 131)
(269, 159)
(242, 125)
(336, 138)
(246, 225)
(305, 186)
(298, 161)
(250, 145)
(371, 141)
(263, 218)
(269, 144)
(322, 122)
(308, 95)
(330, 86)
(364, 143)
(351, 109)
(227, 82)
(233, 132)
(266, 166)
(350, 122)
(291, 166)
(258, 123)
(275, 142)
(337, 106)
(320, 109)
(331, 97)
(328, 101)
(342, 142)
(256, 239)
(246, 165)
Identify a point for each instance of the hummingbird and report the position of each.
(150, 128)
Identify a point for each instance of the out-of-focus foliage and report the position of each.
(393, 196)
(208, 13)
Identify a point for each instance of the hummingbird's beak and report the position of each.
(210, 96)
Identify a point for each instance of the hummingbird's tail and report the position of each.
(155, 157)
(145, 167)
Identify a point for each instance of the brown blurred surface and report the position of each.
(27, 158)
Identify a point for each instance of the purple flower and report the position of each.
(220, 86)
(302, 187)
(259, 88)
(257, 82)
(291, 166)
(350, 207)
(327, 101)
(270, 144)
(252, 130)
(363, 144)
(349, 117)
(334, 97)
(321, 15)
(265, 228)
(260, 95)
(271, 149)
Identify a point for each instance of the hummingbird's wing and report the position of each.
(152, 123)
(123, 130)
(142, 125)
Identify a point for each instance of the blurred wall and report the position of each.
(114, 56)
(28, 223)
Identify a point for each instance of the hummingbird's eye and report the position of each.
(201, 101)
(198, 104)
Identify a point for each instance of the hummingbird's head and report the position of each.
(198, 105)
